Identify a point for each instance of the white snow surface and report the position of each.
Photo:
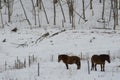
(84, 41)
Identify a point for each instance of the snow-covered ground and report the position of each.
(84, 41)
(71, 42)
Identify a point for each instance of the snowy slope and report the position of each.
(71, 42)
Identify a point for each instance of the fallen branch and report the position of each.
(57, 33)
(42, 37)
(48, 35)
(21, 45)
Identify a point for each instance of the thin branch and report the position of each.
(25, 13)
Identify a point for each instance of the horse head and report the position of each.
(108, 58)
(59, 58)
(62, 57)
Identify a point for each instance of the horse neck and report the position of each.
(64, 58)
(104, 57)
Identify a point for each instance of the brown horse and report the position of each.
(69, 60)
(99, 59)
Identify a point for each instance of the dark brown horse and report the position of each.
(70, 60)
(99, 59)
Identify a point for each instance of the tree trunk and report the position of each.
(72, 14)
(34, 11)
(54, 12)
(119, 4)
(1, 16)
(25, 13)
(62, 11)
(68, 3)
(115, 12)
(103, 9)
(111, 10)
(38, 2)
(91, 4)
(10, 9)
(9, 16)
(1, 19)
(39, 17)
(0, 5)
(83, 9)
(45, 12)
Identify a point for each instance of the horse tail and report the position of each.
(92, 64)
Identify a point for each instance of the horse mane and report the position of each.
(64, 56)
(101, 55)
(104, 55)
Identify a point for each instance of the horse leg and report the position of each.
(78, 65)
(66, 66)
(95, 67)
(101, 67)
(92, 66)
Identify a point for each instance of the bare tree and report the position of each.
(119, 4)
(73, 23)
(69, 8)
(91, 4)
(115, 13)
(103, 9)
(25, 12)
(45, 12)
(1, 15)
(39, 4)
(70, 4)
(0, 4)
(111, 8)
(34, 11)
(10, 9)
(54, 2)
(39, 17)
(62, 10)
(9, 15)
(83, 8)
(72, 13)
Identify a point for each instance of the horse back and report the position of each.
(73, 59)
(97, 59)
